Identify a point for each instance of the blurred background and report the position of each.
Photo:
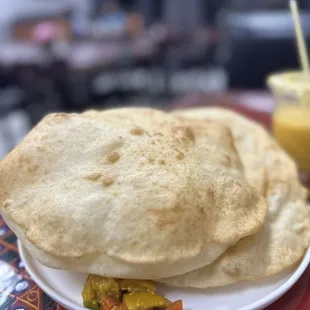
(72, 55)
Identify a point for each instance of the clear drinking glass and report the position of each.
(291, 116)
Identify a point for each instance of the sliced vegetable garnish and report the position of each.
(177, 305)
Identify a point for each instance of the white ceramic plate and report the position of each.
(65, 288)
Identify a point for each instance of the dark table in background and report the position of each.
(19, 292)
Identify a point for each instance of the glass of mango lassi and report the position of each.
(291, 116)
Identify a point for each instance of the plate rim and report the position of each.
(41, 283)
(285, 287)
(260, 304)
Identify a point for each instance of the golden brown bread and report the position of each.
(286, 234)
(145, 197)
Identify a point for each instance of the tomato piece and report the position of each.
(177, 305)
(107, 303)
(110, 303)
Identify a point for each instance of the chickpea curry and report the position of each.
(101, 293)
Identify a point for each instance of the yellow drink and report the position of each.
(291, 117)
(291, 128)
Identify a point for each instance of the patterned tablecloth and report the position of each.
(19, 292)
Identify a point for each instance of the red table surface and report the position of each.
(19, 292)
